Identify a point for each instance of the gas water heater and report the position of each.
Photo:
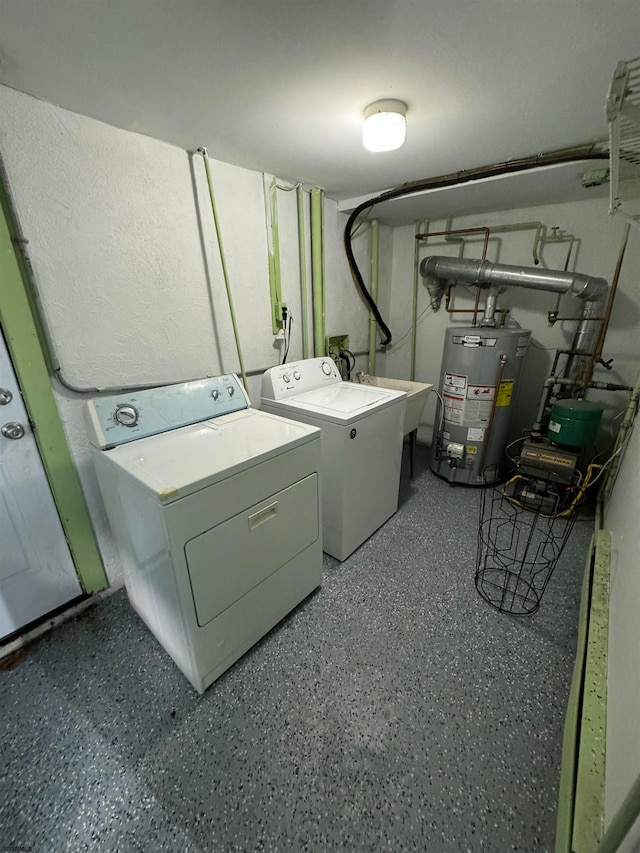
(481, 369)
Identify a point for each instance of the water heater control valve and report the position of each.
(455, 450)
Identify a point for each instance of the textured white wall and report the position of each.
(125, 257)
(599, 236)
(623, 687)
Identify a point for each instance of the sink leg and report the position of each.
(412, 443)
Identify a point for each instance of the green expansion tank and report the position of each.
(574, 423)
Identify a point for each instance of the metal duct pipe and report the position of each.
(490, 306)
(585, 339)
(469, 271)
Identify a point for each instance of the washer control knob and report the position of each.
(296, 374)
(13, 430)
(326, 368)
(231, 390)
(127, 416)
(286, 378)
(215, 394)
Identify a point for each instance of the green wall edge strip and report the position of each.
(317, 270)
(21, 333)
(275, 274)
(588, 820)
(566, 793)
(302, 260)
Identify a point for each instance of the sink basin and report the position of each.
(416, 396)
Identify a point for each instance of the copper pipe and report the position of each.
(552, 319)
(597, 353)
(482, 230)
(560, 352)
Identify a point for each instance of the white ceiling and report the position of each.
(280, 85)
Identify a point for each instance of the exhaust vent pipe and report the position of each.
(467, 271)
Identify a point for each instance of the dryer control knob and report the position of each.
(326, 368)
(215, 394)
(127, 416)
(296, 374)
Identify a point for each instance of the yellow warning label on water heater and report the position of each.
(505, 391)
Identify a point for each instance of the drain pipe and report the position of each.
(223, 262)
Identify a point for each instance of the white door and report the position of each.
(37, 574)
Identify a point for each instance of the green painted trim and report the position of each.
(588, 821)
(302, 260)
(275, 273)
(568, 767)
(317, 269)
(21, 333)
(375, 267)
(223, 263)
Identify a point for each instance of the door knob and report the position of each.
(12, 430)
(5, 396)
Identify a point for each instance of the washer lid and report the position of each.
(343, 402)
(182, 461)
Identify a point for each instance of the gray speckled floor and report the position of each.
(393, 710)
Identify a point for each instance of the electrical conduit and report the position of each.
(223, 262)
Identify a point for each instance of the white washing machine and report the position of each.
(362, 432)
(215, 510)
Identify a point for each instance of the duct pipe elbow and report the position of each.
(588, 287)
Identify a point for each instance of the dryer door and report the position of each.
(229, 560)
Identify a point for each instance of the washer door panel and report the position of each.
(232, 558)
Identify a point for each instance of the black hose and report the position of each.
(468, 175)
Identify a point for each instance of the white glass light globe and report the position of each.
(384, 126)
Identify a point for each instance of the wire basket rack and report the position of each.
(623, 116)
(524, 525)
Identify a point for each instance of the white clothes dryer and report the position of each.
(215, 510)
(362, 432)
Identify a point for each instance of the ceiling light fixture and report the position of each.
(385, 125)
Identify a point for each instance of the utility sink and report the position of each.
(416, 396)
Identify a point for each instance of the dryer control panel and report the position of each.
(285, 380)
(111, 421)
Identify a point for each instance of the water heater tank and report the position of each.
(481, 369)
